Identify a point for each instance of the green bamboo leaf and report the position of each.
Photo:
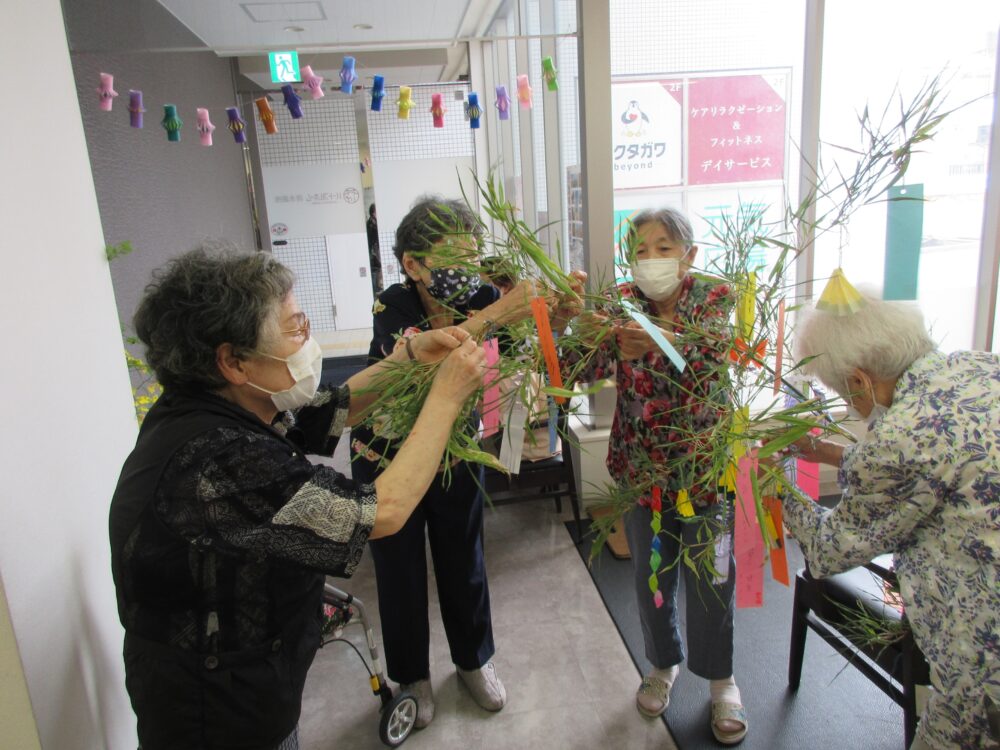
(784, 440)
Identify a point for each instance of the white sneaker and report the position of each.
(422, 691)
(485, 686)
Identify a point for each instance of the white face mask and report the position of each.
(657, 277)
(306, 368)
(878, 411)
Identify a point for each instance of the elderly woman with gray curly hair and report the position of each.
(923, 483)
(221, 528)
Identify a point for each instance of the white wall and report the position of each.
(68, 413)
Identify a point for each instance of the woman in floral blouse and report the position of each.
(661, 419)
(924, 483)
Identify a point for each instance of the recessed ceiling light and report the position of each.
(363, 26)
(294, 28)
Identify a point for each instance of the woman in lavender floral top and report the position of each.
(924, 483)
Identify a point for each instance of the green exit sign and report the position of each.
(284, 67)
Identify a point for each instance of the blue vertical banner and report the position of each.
(903, 234)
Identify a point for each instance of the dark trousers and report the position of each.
(709, 604)
(453, 519)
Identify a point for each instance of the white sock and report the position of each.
(667, 675)
(724, 691)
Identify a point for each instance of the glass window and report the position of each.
(890, 55)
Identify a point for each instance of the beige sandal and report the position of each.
(731, 712)
(658, 690)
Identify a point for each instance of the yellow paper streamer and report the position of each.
(737, 448)
(839, 296)
(684, 506)
(746, 311)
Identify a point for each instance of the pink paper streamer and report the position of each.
(491, 396)
(807, 477)
(749, 545)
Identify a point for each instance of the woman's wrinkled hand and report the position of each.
(811, 448)
(569, 305)
(515, 306)
(461, 372)
(433, 346)
(633, 341)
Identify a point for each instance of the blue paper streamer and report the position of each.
(657, 335)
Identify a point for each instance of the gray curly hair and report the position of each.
(206, 297)
(430, 220)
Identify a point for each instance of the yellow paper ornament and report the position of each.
(839, 296)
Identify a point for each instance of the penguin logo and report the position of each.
(634, 119)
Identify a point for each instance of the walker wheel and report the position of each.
(398, 719)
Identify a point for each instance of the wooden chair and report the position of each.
(895, 669)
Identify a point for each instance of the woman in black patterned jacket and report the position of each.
(221, 529)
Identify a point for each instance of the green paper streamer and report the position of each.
(903, 234)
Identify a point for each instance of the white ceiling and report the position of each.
(324, 30)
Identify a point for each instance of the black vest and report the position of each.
(204, 699)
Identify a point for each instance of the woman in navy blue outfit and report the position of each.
(436, 245)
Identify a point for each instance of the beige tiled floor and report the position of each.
(570, 681)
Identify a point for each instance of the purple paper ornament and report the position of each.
(135, 109)
(236, 125)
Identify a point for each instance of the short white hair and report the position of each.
(882, 338)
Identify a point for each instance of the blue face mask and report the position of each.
(453, 286)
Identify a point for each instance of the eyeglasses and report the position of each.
(304, 328)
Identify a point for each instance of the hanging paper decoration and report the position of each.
(106, 91)
(347, 75)
(266, 115)
(549, 74)
(746, 309)
(839, 297)
(312, 82)
(473, 111)
(236, 125)
(512, 444)
(807, 478)
(524, 91)
(776, 528)
(135, 108)
(656, 508)
(378, 91)
(684, 506)
(779, 347)
(656, 334)
(171, 123)
(405, 102)
(748, 543)
(437, 110)
(292, 101)
(503, 103)
(547, 343)
(204, 126)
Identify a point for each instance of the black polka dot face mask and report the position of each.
(453, 286)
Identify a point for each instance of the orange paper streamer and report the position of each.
(779, 560)
(545, 340)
